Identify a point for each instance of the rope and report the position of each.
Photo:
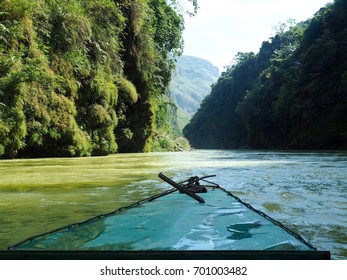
(277, 223)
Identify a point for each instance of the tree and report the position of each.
(289, 95)
(83, 77)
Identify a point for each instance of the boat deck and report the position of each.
(173, 226)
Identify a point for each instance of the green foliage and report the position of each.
(82, 77)
(191, 11)
(127, 91)
(153, 36)
(166, 129)
(290, 95)
(182, 144)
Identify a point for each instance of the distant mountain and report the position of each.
(190, 84)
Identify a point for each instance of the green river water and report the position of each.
(307, 191)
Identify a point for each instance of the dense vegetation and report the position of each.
(84, 77)
(190, 84)
(292, 94)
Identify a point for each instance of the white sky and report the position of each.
(224, 27)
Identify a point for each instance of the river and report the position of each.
(307, 191)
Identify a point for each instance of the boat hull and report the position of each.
(172, 225)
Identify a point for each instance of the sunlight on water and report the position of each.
(306, 191)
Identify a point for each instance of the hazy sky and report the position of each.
(224, 27)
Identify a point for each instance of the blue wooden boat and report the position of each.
(197, 219)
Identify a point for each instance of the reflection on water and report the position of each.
(242, 231)
(304, 190)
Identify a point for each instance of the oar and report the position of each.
(180, 188)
